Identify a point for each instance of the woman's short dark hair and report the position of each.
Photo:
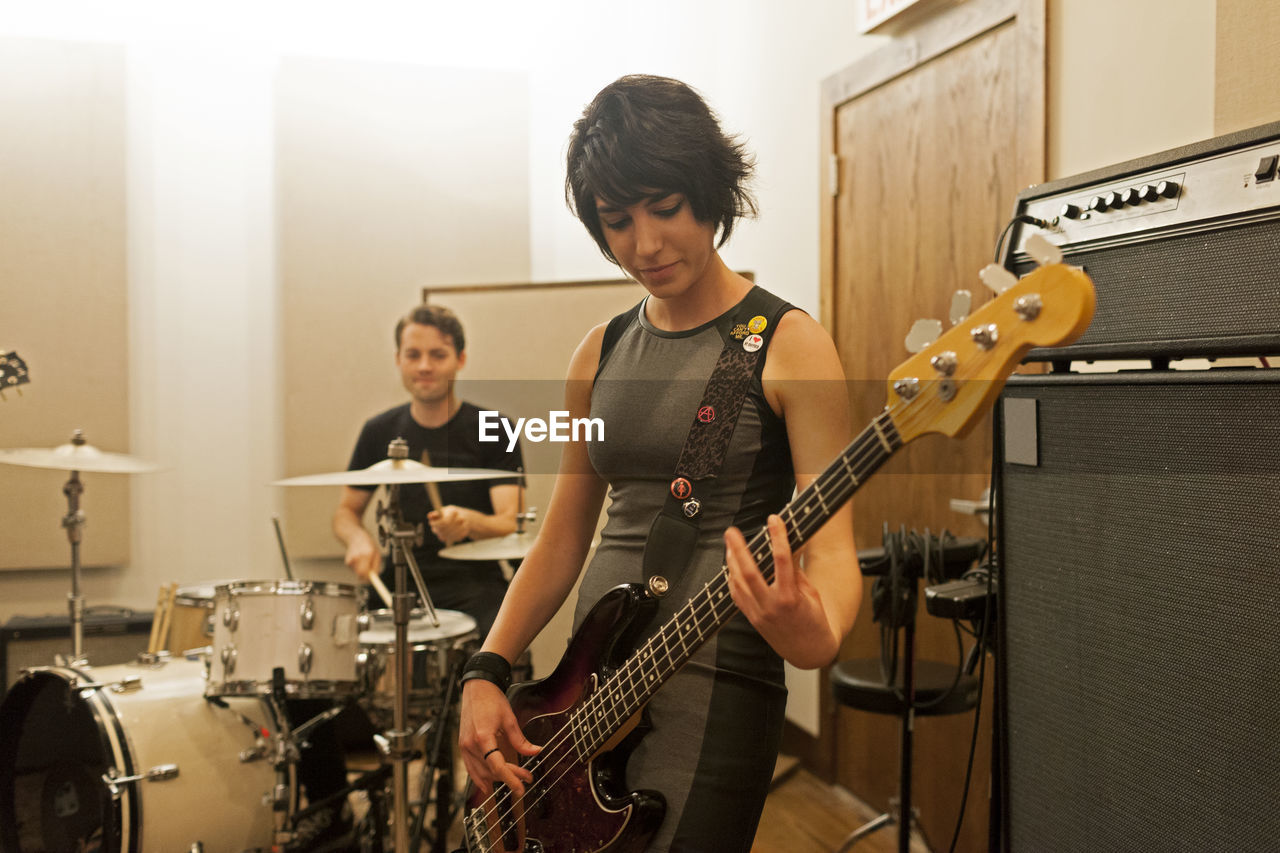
(444, 321)
(645, 135)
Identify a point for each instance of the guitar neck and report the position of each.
(627, 690)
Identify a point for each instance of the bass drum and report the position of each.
(67, 734)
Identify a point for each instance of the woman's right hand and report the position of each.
(491, 740)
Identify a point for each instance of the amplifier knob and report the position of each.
(1130, 196)
(1069, 211)
(1149, 193)
(1113, 200)
(1168, 189)
(1098, 204)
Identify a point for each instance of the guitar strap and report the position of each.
(746, 332)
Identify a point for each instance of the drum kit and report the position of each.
(195, 750)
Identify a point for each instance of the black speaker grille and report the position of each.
(1141, 615)
(1201, 294)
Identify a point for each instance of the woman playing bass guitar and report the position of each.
(659, 186)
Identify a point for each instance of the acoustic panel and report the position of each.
(1139, 602)
(63, 291)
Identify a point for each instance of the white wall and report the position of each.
(1127, 79)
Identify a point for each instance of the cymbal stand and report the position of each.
(73, 522)
(401, 536)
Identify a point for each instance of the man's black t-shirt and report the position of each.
(455, 445)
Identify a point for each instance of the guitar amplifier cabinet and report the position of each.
(1139, 602)
(1181, 246)
(112, 637)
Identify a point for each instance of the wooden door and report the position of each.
(932, 140)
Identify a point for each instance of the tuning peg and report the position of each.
(997, 278)
(923, 333)
(1043, 251)
(961, 302)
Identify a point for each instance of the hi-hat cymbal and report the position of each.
(513, 546)
(76, 457)
(394, 472)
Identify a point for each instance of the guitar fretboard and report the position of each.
(629, 687)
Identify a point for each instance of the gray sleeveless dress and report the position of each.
(717, 722)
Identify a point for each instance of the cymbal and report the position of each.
(513, 546)
(394, 472)
(76, 457)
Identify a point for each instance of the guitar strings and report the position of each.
(868, 444)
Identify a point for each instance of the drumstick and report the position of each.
(433, 491)
(381, 588)
(155, 620)
(284, 555)
(162, 636)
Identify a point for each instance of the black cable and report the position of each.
(1025, 220)
(982, 652)
(920, 706)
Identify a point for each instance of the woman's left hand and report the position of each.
(789, 612)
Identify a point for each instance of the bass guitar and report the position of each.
(588, 713)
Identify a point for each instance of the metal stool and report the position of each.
(860, 684)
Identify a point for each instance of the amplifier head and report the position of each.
(1181, 246)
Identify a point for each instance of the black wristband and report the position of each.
(489, 666)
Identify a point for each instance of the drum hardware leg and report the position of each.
(285, 754)
(73, 521)
(422, 586)
(439, 765)
(369, 781)
(299, 734)
(262, 738)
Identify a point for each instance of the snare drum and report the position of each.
(130, 757)
(434, 653)
(307, 628)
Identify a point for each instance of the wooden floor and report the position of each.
(801, 815)
(805, 815)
